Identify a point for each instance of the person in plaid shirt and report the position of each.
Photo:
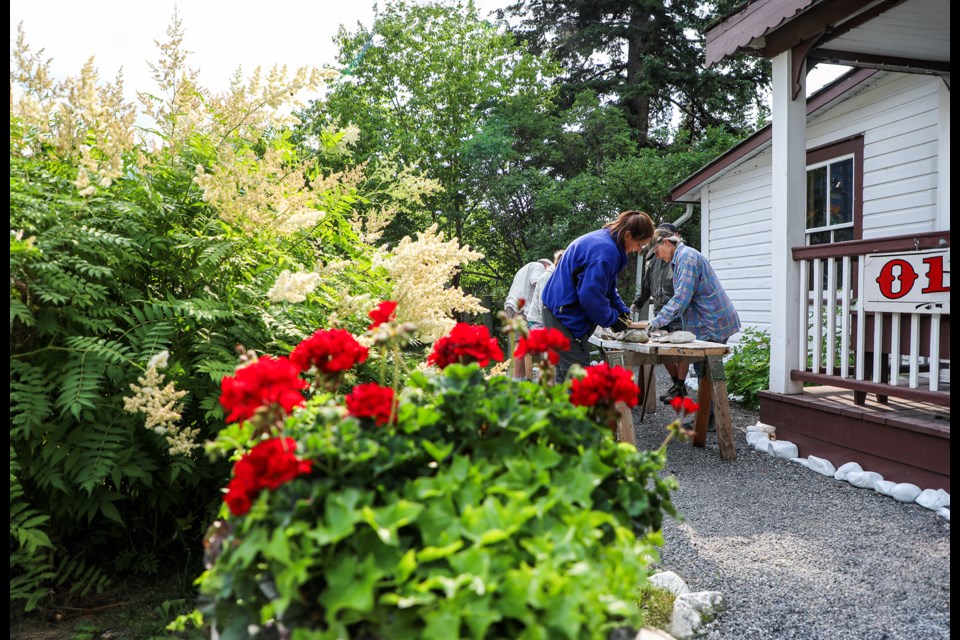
(699, 300)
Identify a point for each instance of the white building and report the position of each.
(839, 211)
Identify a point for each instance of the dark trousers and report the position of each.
(579, 352)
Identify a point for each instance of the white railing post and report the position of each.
(861, 325)
(817, 315)
(831, 341)
(894, 348)
(877, 344)
(935, 352)
(804, 311)
(914, 350)
(845, 319)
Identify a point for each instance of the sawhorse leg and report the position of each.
(625, 431)
(713, 390)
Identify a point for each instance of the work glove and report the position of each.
(619, 325)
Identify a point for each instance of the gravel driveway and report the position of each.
(796, 554)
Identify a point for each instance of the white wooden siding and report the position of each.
(899, 117)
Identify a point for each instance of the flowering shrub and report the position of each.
(370, 400)
(600, 388)
(268, 465)
(480, 507)
(547, 343)
(330, 352)
(269, 384)
(386, 311)
(465, 343)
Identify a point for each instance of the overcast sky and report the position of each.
(221, 35)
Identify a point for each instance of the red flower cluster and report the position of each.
(268, 465)
(548, 341)
(464, 344)
(370, 400)
(386, 311)
(332, 351)
(684, 405)
(604, 385)
(268, 381)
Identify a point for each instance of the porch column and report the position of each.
(789, 203)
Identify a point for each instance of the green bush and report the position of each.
(118, 253)
(491, 509)
(748, 368)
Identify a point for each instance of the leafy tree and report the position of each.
(645, 56)
(420, 85)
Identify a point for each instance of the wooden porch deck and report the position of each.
(903, 440)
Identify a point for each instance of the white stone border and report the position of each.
(758, 437)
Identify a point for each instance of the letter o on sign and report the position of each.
(906, 277)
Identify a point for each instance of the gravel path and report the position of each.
(798, 555)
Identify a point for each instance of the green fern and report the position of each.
(79, 577)
(30, 567)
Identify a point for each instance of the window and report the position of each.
(830, 202)
(834, 197)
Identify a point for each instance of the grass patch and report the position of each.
(657, 606)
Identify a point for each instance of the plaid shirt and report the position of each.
(698, 299)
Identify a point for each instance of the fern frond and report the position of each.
(79, 384)
(81, 577)
(20, 311)
(98, 449)
(30, 403)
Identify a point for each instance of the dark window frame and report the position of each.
(852, 146)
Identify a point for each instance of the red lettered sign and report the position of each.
(909, 282)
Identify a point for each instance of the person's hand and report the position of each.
(619, 325)
(635, 308)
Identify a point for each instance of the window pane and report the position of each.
(841, 191)
(817, 198)
(821, 237)
(840, 235)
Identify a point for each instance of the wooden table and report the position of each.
(712, 387)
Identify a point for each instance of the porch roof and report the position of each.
(911, 36)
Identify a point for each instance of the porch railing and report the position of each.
(904, 355)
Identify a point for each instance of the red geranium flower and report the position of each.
(331, 351)
(603, 386)
(268, 465)
(684, 405)
(464, 344)
(370, 400)
(386, 311)
(268, 381)
(548, 341)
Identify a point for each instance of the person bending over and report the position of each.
(582, 292)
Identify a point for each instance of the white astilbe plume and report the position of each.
(86, 123)
(420, 273)
(293, 287)
(499, 369)
(161, 405)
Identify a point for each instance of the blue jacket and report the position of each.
(582, 293)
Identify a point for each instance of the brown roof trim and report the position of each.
(815, 102)
(748, 23)
(906, 65)
(823, 21)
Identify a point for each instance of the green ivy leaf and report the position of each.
(386, 520)
(437, 452)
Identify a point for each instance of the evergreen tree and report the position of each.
(647, 56)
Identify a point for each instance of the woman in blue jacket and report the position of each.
(582, 293)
